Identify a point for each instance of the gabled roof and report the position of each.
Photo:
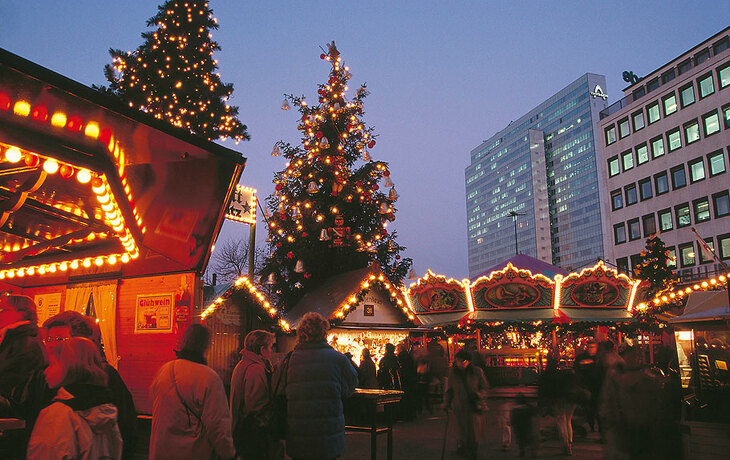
(526, 262)
(705, 306)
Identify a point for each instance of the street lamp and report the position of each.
(514, 215)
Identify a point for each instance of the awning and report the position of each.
(441, 319)
(597, 315)
(704, 306)
(512, 315)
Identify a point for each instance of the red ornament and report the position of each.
(278, 187)
(397, 257)
(96, 182)
(386, 173)
(323, 56)
(375, 186)
(66, 171)
(105, 135)
(278, 245)
(75, 123)
(40, 113)
(289, 255)
(305, 234)
(4, 101)
(320, 91)
(371, 144)
(304, 118)
(319, 134)
(307, 275)
(31, 160)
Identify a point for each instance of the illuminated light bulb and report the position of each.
(63, 266)
(13, 154)
(103, 198)
(11, 273)
(92, 130)
(21, 108)
(30, 271)
(74, 265)
(704, 284)
(99, 261)
(50, 166)
(125, 258)
(20, 273)
(42, 270)
(86, 263)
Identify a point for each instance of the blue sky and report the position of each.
(443, 76)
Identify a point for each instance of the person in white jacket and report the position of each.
(81, 422)
(190, 415)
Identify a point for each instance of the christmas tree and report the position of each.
(328, 213)
(653, 268)
(172, 75)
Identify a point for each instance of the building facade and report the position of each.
(543, 168)
(664, 161)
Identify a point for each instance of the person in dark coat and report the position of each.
(317, 379)
(367, 377)
(67, 324)
(408, 378)
(389, 370)
(590, 376)
(23, 388)
(558, 393)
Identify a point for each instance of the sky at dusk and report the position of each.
(443, 76)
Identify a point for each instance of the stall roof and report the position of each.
(118, 188)
(526, 262)
(704, 306)
(596, 315)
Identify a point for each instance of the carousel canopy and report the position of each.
(89, 186)
(527, 263)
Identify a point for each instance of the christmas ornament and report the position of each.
(299, 267)
(276, 152)
(336, 188)
(371, 144)
(312, 187)
(324, 144)
(412, 275)
(392, 195)
(285, 105)
(323, 235)
(296, 213)
(366, 156)
(272, 278)
(388, 182)
(383, 208)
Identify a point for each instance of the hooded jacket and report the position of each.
(250, 387)
(81, 423)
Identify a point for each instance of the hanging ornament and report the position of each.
(388, 182)
(336, 106)
(337, 188)
(267, 213)
(371, 144)
(323, 235)
(285, 105)
(392, 195)
(276, 152)
(366, 156)
(383, 208)
(412, 275)
(272, 278)
(312, 187)
(299, 267)
(296, 213)
(324, 143)
(395, 265)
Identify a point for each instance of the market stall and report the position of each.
(97, 214)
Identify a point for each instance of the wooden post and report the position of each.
(555, 338)
(651, 348)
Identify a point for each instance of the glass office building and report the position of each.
(542, 167)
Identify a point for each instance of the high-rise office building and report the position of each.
(541, 171)
(664, 160)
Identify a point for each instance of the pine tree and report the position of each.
(328, 213)
(652, 268)
(172, 75)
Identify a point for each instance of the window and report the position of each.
(702, 210)
(696, 170)
(723, 243)
(683, 217)
(716, 162)
(670, 104)
(665, 220)
(652, 85)
(704, 257)
(661, 183)
(674, 140)
(687, 95)
(623, 128)
(672, 259)
(610, 135)
(710, 123)
(657, 147)
(617, 200)
(613, 166)
(635, 260)
(726, 116)
(705, 85)
(630, 191)
(702, 56)
(649, 224)
(638, 93)
(638, 118)
(691, 132)
(642, 154)
(687, 254)
(627, 159)
(634, 229)
(679, 180)
(645, 191)
(684, 66)
(721, 45)
(723, 76)
(652, 113)
(668, 76)
(619, 233)
(721, 204)
(622, 265)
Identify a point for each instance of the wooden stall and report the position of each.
(98, 215)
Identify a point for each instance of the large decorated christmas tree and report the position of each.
(328, 213)
(653, 268)
(173, 75)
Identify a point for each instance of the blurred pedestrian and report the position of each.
(366, 371)
(467, 393)
(81, 423)
(23, 388)
(67, 324)
(389, 370)
(317, 379)
(190, 415)
(525, 425)
(589, 373)
(407, 366)
(558, 394)
(251, 396)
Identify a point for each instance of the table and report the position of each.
(375, 402)
(11, 424)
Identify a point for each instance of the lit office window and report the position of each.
(610, 135)
(687, 95)
(617, 200)
(716, 163)
(657, 147)
(726, 116)
(638, 119)
(696, 170)
(623, 128)
(674, 140)
(683, 215)
(724, 245)
(672, 259)
(613, 166)
(711, 123)
(723, 76)
(705, 86)
(642, 154)
(687, 254)
(705, 258)
(652, 113)
(701, 209)
(665, 220)
(692, 132)
(670, 104)
(627, 159)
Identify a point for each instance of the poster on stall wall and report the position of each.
(47, 306)
(154, 313)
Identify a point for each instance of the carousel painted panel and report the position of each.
(598, 286)
(512, 287)
(435, 294)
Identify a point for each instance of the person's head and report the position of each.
(65, 325)
(463, 359)
(312, 328)
(195, 340)
(592, 347)
(259, 342)
(365, 353)
(389, 348)
(14, 308)
(76, 360)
